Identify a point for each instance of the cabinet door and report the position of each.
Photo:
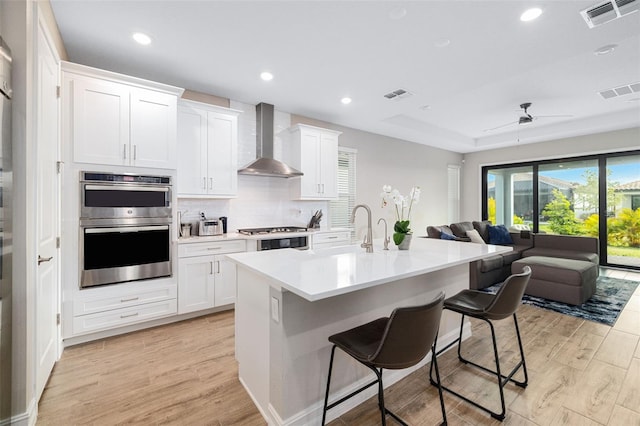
(100, 127)
(192, 151)
(310, 164)
(153, 129)
(329, 166)
(225, 281)
(196, 288)
(222, 170)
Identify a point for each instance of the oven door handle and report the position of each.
(125, 187)
(125, 229)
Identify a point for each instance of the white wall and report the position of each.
(616, 141)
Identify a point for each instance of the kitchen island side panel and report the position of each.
(299, 351)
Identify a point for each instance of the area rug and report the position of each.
(612, 294)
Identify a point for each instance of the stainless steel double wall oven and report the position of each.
(125, 227)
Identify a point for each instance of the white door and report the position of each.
(225, 281)
(329, 166)
(153, 129)
(192, 151)
(310, 164)
(196, 283)
(47, 213)
(222, 154)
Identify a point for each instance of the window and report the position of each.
(340, 209)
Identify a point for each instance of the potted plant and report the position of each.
(401, 228)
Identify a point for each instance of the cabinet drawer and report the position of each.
(332, 237)
(125, 316)
(209, 248)
(91, 305)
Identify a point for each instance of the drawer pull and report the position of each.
(332, 238)
(131, 299)
(130, 315)
(214, 248)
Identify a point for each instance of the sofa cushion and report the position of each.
(460, 229)
(499, 235)
(483, 229)
(435, 231)
(450, 237)
(490, 263)
(510, 257)
(475, 237)
(558, 253)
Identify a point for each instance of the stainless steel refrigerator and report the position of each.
(6, 199)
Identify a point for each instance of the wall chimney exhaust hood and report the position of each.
(265, 164)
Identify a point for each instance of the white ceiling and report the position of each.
(321, 51)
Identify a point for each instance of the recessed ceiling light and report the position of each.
(605, 49)
(425, 107)
(266, 76)
(346, 100)
(397, 13)
(442, 42)
(142, 38)
(530, 14)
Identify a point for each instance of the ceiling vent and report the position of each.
(608, 11)
(620, 91)
(398, 94)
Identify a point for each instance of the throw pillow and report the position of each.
(499, 234)
(445, 236)
(475, 237)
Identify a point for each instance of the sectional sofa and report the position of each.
(564, 268)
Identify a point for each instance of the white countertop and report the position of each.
(323, 273)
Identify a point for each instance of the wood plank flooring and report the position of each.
(580, 373)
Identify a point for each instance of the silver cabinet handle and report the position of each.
(217, 267)
(124, 151)
(43, 259)
(204, 183)
(214, 248)
(130, 315)
(323, 188)
(210, 183)
(210, 268)
(332, 238)
(131, 299)
(135, 152)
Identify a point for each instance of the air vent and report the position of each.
(398, 94)
(607, 11)
(626, 89)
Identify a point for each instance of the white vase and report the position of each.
(406, 242)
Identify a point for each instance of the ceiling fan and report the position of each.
(526, 118)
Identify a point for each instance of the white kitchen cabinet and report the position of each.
(206, 280)
(108, 307)
(314, 151)
(327, 239)
(113, 119)
(207, 151)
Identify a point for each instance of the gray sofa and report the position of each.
(495, 269)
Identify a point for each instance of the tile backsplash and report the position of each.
(262, 201)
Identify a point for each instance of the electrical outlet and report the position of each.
(275, 309)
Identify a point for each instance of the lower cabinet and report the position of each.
(327, 239)
(206, 280)
(114, 306)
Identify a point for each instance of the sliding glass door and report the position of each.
(623, 210)
(596, 195)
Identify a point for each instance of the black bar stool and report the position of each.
(397, 342)
(490, 307)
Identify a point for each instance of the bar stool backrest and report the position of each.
(409, 335)
(509, 296)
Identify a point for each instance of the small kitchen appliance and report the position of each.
(208, 227)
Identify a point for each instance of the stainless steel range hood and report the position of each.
(265, 164)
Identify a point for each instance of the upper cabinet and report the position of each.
(207, 151)
(113, 119)
(314, 151)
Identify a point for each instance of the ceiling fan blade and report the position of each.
(553, 116)
(500, 127)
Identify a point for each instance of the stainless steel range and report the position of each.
(278, 237)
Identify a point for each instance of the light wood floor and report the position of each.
(580, 373)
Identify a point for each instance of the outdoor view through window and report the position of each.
(567, 197)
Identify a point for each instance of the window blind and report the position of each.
(340, 209)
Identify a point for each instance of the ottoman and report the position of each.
(563, 280)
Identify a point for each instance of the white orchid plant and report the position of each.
(402, 205)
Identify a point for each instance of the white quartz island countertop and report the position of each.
(320, 274)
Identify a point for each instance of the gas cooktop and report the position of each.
(273, 230)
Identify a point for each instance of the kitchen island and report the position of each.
(290, 301)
